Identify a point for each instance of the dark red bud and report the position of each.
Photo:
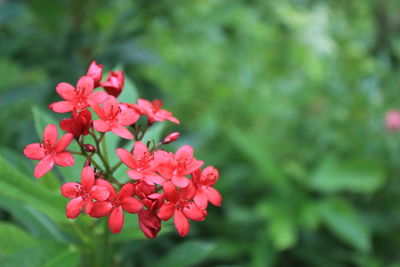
(90, 148)
(171, 138)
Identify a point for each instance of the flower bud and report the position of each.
(114, 83)
(90, 148)
(87, 163)
(96, 72)
(171, 138)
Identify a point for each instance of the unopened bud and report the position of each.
(87, 163)
(90, 148)
(171, 138)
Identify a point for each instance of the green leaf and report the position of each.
(283, 232)
(13, 238)
(345, 222)
(47, 254)
(17, 186)
(355, 176)
(38, 224)
(187, 253)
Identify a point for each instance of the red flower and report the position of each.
(175, 167)
(180, 206)
(83, 193)
(50, 151)
(204, 180)
(114, 117)
(154, 112)
(140, 163)
(79, 123)
(114, 83)
(149, 223)
(96, 72)
(115, 205)
(77, 98)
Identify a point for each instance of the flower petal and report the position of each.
(201, 199)
(64, 159)
(166, 211)
(122, 132)
(87, 178)
(85, 85)
(74, 207)
(100, 193)
(171, 194)
(151, 178)
(192, 212)
(50, 134)
(44, 166)
(185, 152)
(135, 175)
(101, 209)
(34, 151)
(180, 181)
(131, 204)
(126, 157)
(101, 126)
(70, 189)
(128, 117)
(214, 196)
(181, 223)
(66, 91)
(88, 205)
(149, 223)
(116, 220)
(64, 141)
(62, 106)
(104, 183)
(97, 97)
(140, 150)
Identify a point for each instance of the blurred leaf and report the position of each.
(15, 185)
(38, 224)
(283, 232)
(353, 176)
(187, 253)
(345, 222)
(43, 254)
(13, 238)
(42, 119)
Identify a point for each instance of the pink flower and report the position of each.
(204, 180)
(96, 72)
(180, 206)
(114, 83)
(140, 163)
(115, 205)
(154, 112)
(50, 151)
(175, 167)
(114, 117)
(393, 120)
(83, 193)
(77, 98)
(79, 123)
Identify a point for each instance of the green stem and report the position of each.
(106, 245)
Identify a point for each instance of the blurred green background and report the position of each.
(286, 98)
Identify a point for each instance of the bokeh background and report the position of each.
(286, 98)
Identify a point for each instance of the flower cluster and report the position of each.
(163, 184)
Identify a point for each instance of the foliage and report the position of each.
(286, 98)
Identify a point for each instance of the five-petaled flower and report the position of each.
(204, 180)
(50, 151)
(114, 117)
(77, 98)
(153, 111)
(176, 167)
(180, 206)
(115, 205)
(83, 193)
(140, 163)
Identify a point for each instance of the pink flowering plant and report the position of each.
(145, 180)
